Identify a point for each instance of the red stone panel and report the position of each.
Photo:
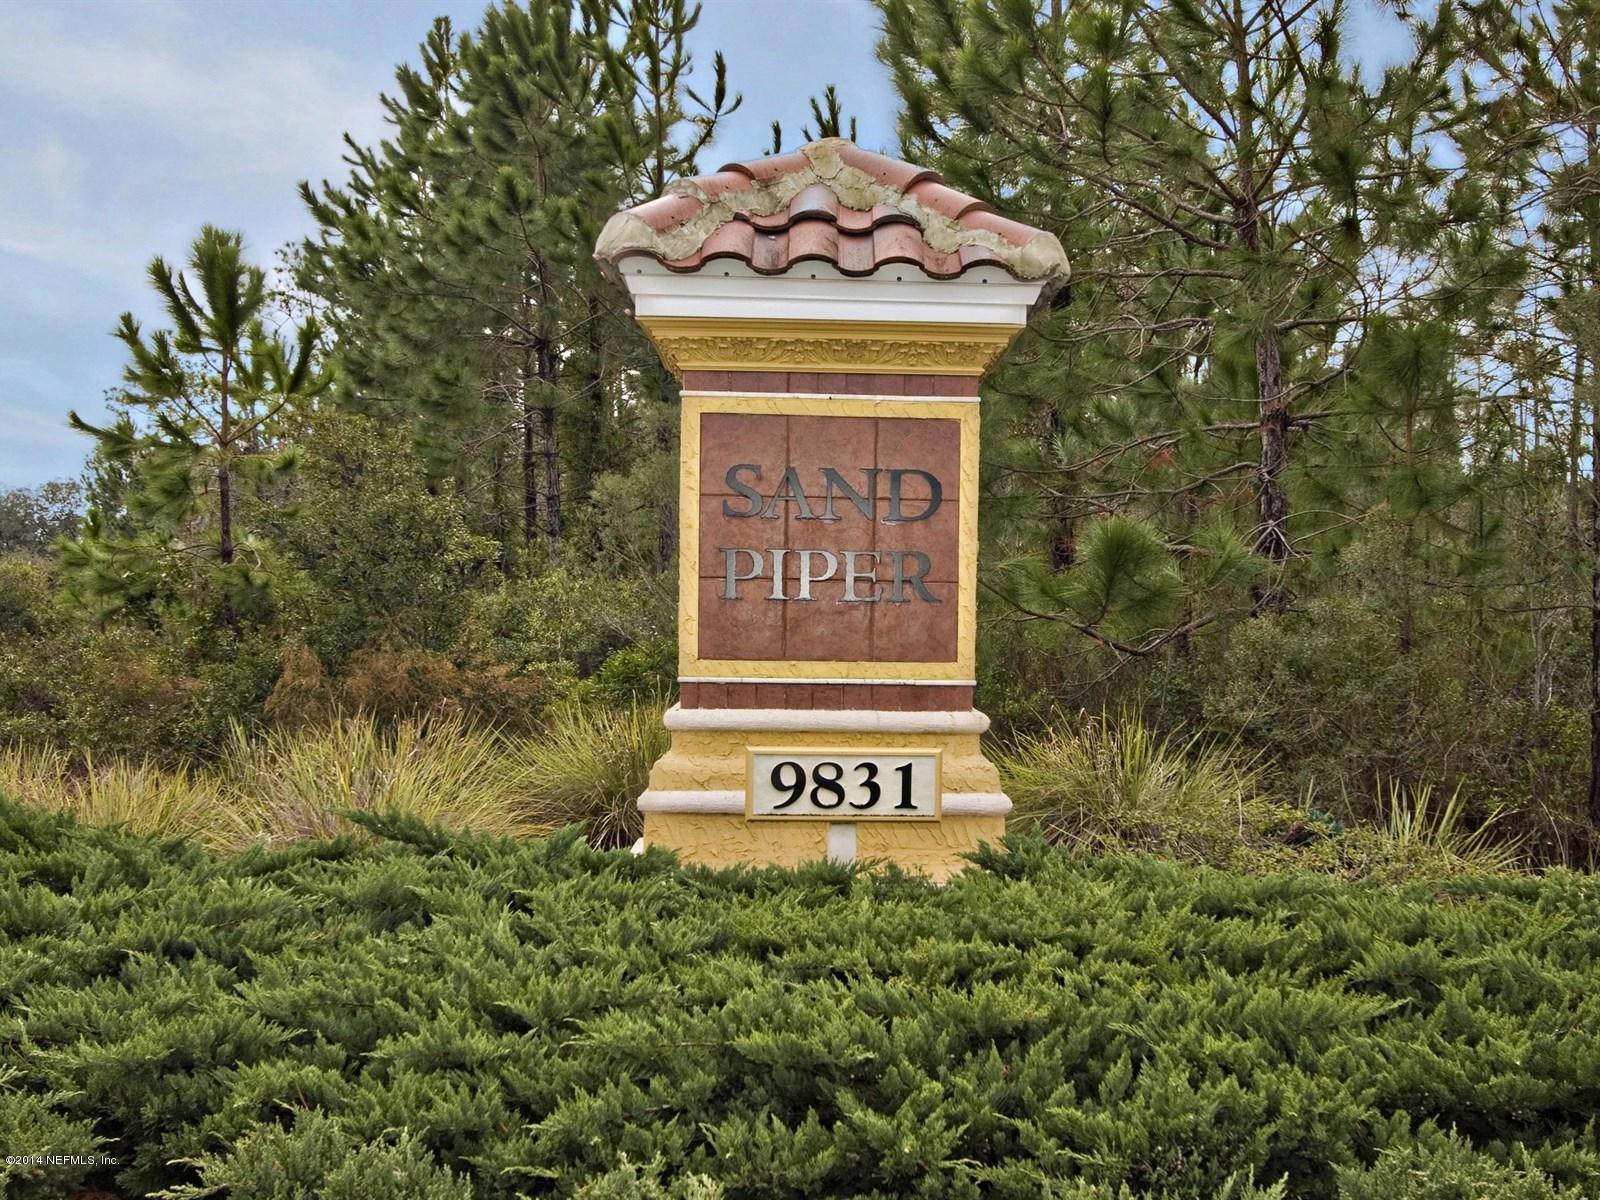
(917, 631)
(738, 628)
(827, 628)
(729, 438)
(930, 444)
(938, 537)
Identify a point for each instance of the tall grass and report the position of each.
(1113, 783)
(585, 767)
(1422, 831)
(590, 765)
(137, 796)
(284, 786)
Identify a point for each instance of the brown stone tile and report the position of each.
(746, 629)
(742, 695)
(710, 695)
(916, 698)
(763, 381)
(719, 532)
(771, 695)
(826, 629)
(856, 695)
(955, 385)
(803, 381)
(727, 439)
(689, 695)
(938, 537)
(801, 695)
(827, 695)
(705, 381)
(848, 444)
(917, 631)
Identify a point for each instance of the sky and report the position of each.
(127, 124)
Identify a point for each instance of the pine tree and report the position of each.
(1225, 182)
(1538, 91)
(456, 261)
(202, 411)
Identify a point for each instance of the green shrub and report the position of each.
(438, 1015)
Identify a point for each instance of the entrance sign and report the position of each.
(828, 313)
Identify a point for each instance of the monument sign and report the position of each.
(829, 313)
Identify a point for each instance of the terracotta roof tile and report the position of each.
(814, 241)
(834, 202)
(944, 199)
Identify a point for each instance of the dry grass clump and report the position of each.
(589, 766)
(1112, 783)
(1423, 835)
(586, 767)
(137, 796)
(1109, 783)
(287, 785)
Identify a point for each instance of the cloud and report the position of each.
(264, 107)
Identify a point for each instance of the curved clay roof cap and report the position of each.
(833, 202)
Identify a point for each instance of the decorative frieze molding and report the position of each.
(875, 347)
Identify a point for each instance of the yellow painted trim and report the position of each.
(844, 813)
(864, 347)
(690, 664)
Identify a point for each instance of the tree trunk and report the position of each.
(1575, 457)
(588, 423)
(1594, 606)
(530, 472)
(545, 365)
(1272, 505)
(224, 474)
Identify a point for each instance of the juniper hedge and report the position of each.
(425, 1014)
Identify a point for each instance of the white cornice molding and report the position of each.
(812, 291)
(823, 720)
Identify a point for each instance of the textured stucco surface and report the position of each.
(931, 848)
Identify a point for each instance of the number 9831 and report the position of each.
(844, 785)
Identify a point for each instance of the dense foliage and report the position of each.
(1303, 452)
(1299, 464)
(435, 1015)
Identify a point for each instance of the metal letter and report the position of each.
(935, 488)
(898, 593)
(744, 489)
(864, 504)
(797, 495)
(806, 576)
(851, 575)
(777, 575)
(730, 578)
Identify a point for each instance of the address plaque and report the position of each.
(844, 784)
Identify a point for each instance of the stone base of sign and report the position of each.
(933, 848)
(696, 801)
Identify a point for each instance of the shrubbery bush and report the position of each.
(437, 1015)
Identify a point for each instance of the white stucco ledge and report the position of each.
(823, 720)
(953, 804)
